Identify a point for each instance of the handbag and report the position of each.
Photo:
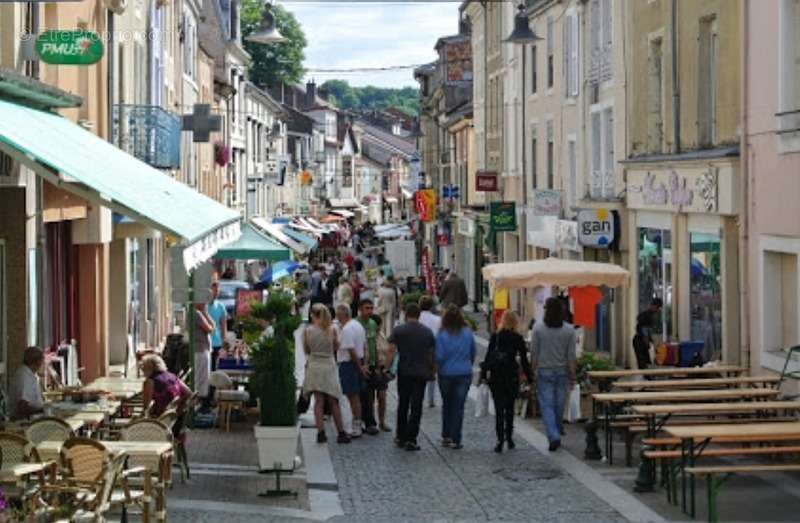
(303, 402)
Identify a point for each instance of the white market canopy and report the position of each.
(554, 271)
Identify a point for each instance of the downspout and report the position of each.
(744, 202)
(40, 232)
(111, 63)
(676, 94)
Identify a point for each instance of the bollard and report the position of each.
(592, 446)
(645, 481)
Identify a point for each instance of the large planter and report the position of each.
(277, 447)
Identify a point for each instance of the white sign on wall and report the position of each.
(596, 228)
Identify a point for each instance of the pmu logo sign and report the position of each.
(596, 228)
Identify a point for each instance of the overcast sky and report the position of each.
(372, 34)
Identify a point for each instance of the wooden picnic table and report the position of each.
(608, 398)
(697, 382)
(606, 376)
(651, 412)
(695, 438)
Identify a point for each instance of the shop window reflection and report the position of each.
(705, 298)
(655, 275)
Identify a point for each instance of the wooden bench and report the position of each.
(636, 427)
(717, 475)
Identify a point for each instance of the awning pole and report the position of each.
(190, 328)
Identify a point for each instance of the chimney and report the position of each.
(311, 94)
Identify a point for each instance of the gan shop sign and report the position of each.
(596, 228)
(503, 216)
(69, 47)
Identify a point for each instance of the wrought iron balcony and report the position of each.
(149, 133)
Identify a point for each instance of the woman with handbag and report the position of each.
(320, 343)
(501, 370)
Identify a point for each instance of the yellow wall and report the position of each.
(647, 19)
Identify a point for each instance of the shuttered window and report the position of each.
(571, 50)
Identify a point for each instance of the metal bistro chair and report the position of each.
(152, 430)
(17, 450)
(228, 397)
(48, 429)
(95, 479)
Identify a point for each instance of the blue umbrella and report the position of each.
(278, 270)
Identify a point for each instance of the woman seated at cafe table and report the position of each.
(25, 394)
(161, 386)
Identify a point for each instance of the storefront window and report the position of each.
(655, 275)
(706, 292)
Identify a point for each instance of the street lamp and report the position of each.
(523, 35)
(268, 32)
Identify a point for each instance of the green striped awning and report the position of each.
(82, 163)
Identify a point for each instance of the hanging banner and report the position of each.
(426, 204)
(427, 271)
(501, 303)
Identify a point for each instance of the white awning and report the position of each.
(276, 231)
(347, 203)
(342, 212)
(407, 194)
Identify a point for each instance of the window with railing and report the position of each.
(149, 133)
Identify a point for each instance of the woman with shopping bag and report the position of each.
(501, 370)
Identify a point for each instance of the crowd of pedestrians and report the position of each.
(367, 347)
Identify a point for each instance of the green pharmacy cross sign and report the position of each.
(503, 216)
(69, 47)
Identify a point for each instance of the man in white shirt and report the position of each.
(25, 395)
(352, 340)
(434, 323)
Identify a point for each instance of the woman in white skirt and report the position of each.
(320, 343)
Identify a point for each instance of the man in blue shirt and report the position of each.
(220, 316)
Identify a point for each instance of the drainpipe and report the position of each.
(40, 233)
(110, 48)
(676, 94)
(744, 204)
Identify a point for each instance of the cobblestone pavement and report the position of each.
(378, 482)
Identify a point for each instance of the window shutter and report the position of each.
(575, 48)
(597, 156)
(595, 25)
(607, 24)
(608, 168)
(568, 55)
(550, 35)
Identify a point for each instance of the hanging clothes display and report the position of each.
(584, 303)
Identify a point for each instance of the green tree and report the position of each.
(370, 97)
(272, 63)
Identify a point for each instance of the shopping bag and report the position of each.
(574, 404)
(482, 403)
(491, 407)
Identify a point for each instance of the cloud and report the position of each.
(372, 34)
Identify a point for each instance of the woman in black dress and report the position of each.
(501, 370)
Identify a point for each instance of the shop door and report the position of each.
(705, 297)
(655, 275)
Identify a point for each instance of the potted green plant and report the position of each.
(273, 383)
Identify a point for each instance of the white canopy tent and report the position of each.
(554, 271)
